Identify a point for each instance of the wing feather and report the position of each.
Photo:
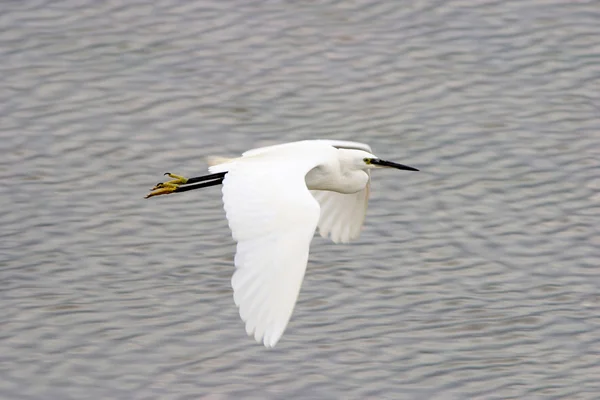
(339, 144)
(273, 217)
(342, 215)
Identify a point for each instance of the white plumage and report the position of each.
(275, 198)
(273, 216)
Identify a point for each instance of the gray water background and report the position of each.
(477, 278)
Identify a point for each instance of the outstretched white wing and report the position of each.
(273, 217)
(346, 144)
(339, 144)
(342, 215)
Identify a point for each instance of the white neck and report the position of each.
(343, 175)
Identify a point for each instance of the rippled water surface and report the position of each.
(475, 278)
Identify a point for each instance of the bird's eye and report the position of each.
(367, 160)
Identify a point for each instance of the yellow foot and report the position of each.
(167, 187)
(177, 179)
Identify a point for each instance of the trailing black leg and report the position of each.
(181, 184)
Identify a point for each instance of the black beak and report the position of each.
(390, 164)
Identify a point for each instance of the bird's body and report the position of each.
(327, 164)
(275, 197)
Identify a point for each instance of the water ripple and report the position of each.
(475, 278)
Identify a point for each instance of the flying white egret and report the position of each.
(275, 197)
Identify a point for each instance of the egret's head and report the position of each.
(370, 161)
(359, 159)
(374, 162)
